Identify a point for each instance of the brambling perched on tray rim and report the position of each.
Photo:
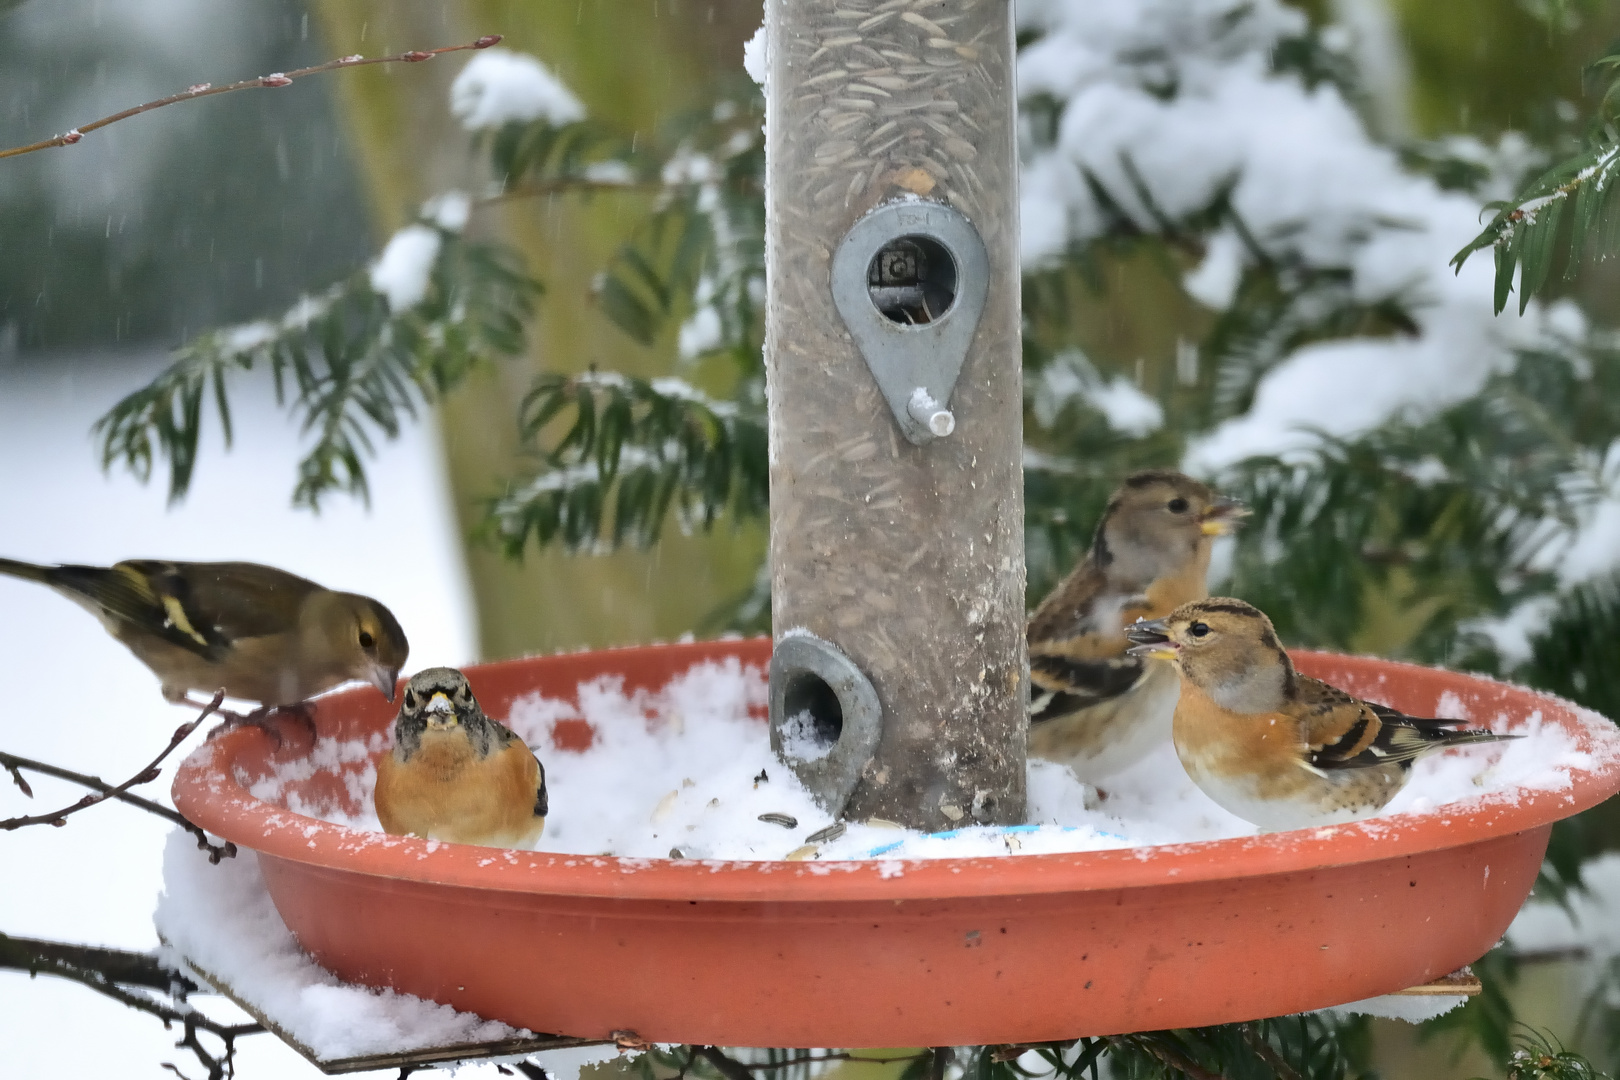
(1095, 707)
(1277, 748)
(256, 632)
(454, 774)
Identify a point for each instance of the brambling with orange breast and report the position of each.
(456, 775)
(1277, 748)
(1095, 707)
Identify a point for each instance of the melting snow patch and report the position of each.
(498, 86)
(405, 267)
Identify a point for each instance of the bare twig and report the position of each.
(17, 777)
(728, 1067)
(275, 79)
(109, 971)
(1267, 1053)
(105, 791)
(1167, 1054)
(13, 763)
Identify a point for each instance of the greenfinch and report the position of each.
(1094, 707)
(255, 632)
(1277, 748)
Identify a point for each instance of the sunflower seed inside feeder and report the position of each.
(831, 832)
(784, 820)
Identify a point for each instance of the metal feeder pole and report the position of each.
(899, 677)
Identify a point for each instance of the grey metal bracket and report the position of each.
(910, 280)
(825, 717)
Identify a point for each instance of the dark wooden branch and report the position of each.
(108, 971)
(105, 791)
(275, 79)
(115, 965)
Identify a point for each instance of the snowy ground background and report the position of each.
(80, 700)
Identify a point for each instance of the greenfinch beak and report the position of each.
(1223, 517)
(384, 679)
(1150, 640)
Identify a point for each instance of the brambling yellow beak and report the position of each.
(1223, 517)
(1149, 639)
(440, 711)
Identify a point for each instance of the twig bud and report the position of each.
(275, 79)
(487, 40)
(415, 56)
(197, 88)
(72, 137)
(352, 58)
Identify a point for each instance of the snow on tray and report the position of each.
(686, 772)
(221, 919)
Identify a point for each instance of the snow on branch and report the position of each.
(632, 450)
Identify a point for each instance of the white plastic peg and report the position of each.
(930, 413)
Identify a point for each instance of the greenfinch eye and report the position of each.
(1178, 505)
(366, 640)
(1198, 629)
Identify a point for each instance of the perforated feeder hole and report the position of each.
(940, 952)
(812, 704)
(912, 280)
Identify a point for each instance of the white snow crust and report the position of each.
(222, 919)
(404, 269)
(688, 770)
(498, 86)
(1413, 1008)
(1179, 95)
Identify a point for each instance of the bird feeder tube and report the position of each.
(892, 361)
(887, 952)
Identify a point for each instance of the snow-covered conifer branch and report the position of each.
(1556, 217)
(357, 359)
(633, 450)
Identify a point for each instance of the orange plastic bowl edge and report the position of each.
(892, 952)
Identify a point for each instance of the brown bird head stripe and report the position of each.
(1227, 649)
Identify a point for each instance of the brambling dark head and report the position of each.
(1225, 647)
(1158, 519)
(439, 701)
